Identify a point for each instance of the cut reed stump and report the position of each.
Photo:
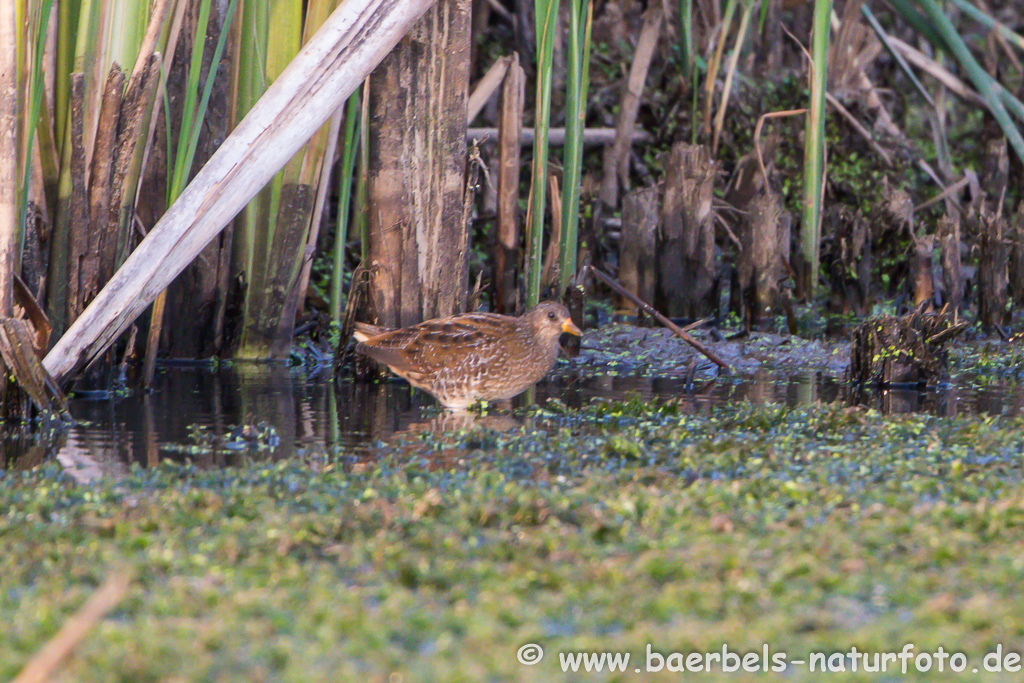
(948, 233)
(762, 263)
(993, 279)
(903, 350)
(24, 379)
(638, 246)
(687, 274)
(418, 243)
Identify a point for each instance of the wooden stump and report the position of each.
(993, 286)
(921, 278)
(765, 235)
(687, 273)
(847, 260)
(948, 234)
(637, 250)
(418, 244)
(905, 350)
(24, 378)
(1016, 267)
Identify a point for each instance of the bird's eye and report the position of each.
(551, 315)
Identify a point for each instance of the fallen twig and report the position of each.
(47, 659)
(647, 308)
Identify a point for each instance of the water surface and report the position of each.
(214, 417)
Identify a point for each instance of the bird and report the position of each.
(472, 357)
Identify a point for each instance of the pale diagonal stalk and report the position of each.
(814, 144)
(546, 12)
(730, 76)
(577, 83)
(715, 64)
(985, 84)
(348, 159)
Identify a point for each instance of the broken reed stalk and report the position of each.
(757, 134)
(486, 87)
(647, 308)
(616, 160)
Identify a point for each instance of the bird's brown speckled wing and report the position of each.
(430, 345)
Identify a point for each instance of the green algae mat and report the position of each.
(620, 542)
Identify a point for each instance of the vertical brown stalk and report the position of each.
(764, 237)
(507, 239)
(921, 270)
(76, 212)
(99, 241)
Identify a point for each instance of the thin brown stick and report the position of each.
(948, 192)
(47, 659)
(757, 134)
(649, 310)
(554, 242)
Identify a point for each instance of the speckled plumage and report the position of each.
(471, 357)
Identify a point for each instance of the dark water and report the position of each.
(273, 412)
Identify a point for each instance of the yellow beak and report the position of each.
(571, 328)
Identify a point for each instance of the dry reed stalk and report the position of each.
(615, 169)
(509, 146)
(486, 87)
